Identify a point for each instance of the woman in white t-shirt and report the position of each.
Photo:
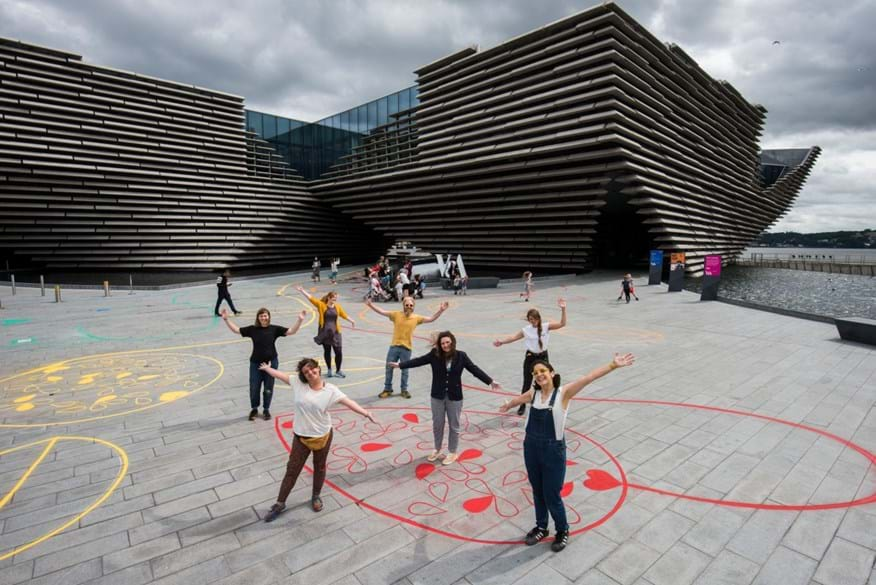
(313, 428)
(536, 337)
(544, 445)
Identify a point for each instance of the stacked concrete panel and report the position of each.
(556, 147)
(109, 169)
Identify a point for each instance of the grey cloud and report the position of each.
(308, 59)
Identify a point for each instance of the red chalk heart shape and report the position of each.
(411, 417)
(369, 447)
(424, 469)
(599, 480)
(478, 505)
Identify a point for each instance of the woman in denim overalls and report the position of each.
(544, 448)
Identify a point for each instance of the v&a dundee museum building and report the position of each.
(581, 144)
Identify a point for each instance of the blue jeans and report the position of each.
(256, 379)
(396, 353)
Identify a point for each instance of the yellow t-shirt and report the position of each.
(403, 328)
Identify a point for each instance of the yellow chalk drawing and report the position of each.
(50, 446)
(107, 385)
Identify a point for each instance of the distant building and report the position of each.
(584, 143)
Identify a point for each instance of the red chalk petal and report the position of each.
(567, 489)
(424, 469)
(369, 447)
(469, 454)
(411, 417)
(570, 463)
(287, 425)
(599, 480)
(478, 505)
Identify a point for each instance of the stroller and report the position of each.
(376, 292)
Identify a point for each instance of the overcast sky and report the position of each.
(307, 59)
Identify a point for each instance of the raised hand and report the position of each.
(302, 315)
(621, 361)
(561, 303)
(444, 306)
(497, 343)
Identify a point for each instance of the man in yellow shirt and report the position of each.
(404, 322)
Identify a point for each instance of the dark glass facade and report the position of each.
(311, 148)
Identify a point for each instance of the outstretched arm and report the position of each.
(517, 401)
(414, 363)
(376, 309)
(354, 406)
(438, 313)
(294, 329)
(619, 361)
(479, 373)
(282, 376)
(234, 328)
(510, 339)
(561, 303)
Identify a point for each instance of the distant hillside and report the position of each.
(861, 239)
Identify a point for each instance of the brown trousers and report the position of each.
(297, 457)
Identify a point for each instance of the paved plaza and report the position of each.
(738, 449)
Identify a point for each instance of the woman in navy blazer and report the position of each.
(447, 366)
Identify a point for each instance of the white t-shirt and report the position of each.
(312, 418)
(530, 338)
(404, 278)
(558, 411)
(335, 266)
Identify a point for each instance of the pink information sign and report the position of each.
(713, 266)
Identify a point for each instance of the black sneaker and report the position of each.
(521, 410)
(253, 413)
(561, 539)
(267, 414)
(535, 535)
(275, 511)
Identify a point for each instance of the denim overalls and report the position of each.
(545, 459)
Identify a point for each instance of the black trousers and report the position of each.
(223, 295)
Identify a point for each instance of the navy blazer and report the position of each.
(447, 383)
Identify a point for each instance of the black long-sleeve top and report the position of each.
(447, 383)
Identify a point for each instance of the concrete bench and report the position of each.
(857, 329)
(473, 282)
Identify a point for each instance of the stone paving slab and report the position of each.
(126, 456)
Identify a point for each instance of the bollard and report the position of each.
(42, 286)
(13, 285)
(131, 284)
(106, 289)
(57, 293)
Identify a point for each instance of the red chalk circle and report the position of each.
(447, 499)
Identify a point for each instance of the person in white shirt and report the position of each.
(313, 428)
(544, 445)
(536, 337)
(333, 275)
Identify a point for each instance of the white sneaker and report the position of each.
(433, 455)
(451, 457)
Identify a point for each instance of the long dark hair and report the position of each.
(533, 313)
(303, 363)
(439, 352)
(555, 378)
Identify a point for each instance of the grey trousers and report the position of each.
(451, 410)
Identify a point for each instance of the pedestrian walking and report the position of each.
(544, 444)
(316, 268)
(527, 286)
(222, 285)
(333, 275)
(536, 337)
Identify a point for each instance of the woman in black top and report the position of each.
(447, 365)
(264, 349)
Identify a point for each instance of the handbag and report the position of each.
(315, 443)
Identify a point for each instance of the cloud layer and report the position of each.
(307, 59)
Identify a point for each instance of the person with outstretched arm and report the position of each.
(403, 324)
